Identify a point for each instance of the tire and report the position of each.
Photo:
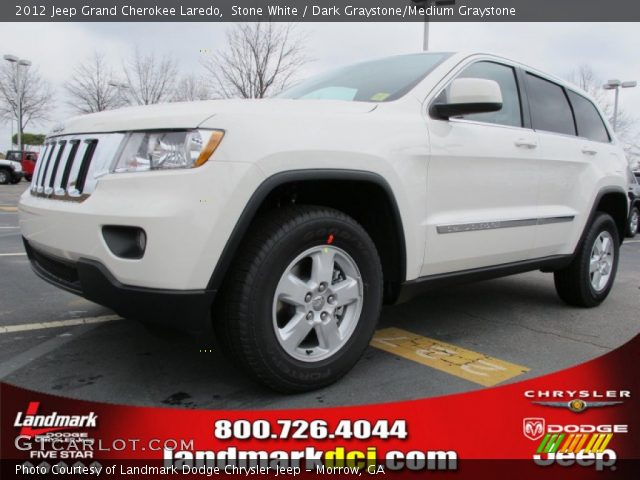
(15, 180)
(633, 223)
(258, 311)
(575, 284)
(5, 176)
(28, 177)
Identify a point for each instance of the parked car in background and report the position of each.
(10, 170)
(634, 206)
(27, 160)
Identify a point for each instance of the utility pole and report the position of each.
(425, 4)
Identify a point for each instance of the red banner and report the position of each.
(577, 423)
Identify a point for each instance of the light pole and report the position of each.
(425, 4)
(617, 85)
(19, 62)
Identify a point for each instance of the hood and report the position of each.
(192, 114)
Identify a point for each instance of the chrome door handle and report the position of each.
(524, 143)
(589, 151)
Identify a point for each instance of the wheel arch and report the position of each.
(285, 186)
(615, 202)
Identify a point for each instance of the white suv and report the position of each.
(286, 223)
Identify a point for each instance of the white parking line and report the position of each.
(58, 323)
(7, 228)
(12, 254)
(630, 241)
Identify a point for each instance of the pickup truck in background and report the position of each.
(27, 161)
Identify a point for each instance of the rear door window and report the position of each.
(550, 109)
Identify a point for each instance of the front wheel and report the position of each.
(5, 176)
(587, 281)
(303, 298)
(634, 221)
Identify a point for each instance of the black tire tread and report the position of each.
(570, 282)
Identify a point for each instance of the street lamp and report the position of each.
(19, 62)
(426, 4)
(617, 85)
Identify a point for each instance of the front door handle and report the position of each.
(525, 143)
(589, 151)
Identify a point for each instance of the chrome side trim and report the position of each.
(525, 222)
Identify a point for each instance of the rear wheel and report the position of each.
(15, 180)
(303, 298)
(634, 221)
(587, 281)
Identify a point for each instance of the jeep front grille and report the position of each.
(69, 166)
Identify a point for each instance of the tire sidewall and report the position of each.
(5, 177)
(354, 241)
(602, 222)
(629, 230)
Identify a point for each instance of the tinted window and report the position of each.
(550, 110)
(377, 81)
(510, 114)
(590, 124)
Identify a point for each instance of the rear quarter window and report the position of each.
(588, 120)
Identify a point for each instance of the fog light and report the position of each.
(125, 242)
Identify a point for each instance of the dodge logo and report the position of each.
(533, 428)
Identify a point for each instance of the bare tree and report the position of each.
(37, 95)
(627, 125)
(149, 79)
(191, 88)
(89, 88)
(259, 59)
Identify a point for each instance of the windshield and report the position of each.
(381, 80)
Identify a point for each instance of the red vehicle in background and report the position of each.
(27, 160)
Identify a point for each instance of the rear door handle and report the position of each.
(526, 143)
(589, 151)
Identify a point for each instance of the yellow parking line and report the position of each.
(7, 208)
(473, 366)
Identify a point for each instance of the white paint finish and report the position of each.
(474, 90)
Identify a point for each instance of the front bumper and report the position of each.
(187, 310)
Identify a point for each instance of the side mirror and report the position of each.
(469, 95)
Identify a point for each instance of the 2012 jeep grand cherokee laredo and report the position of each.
(286, 223)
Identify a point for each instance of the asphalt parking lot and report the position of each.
(55, 342)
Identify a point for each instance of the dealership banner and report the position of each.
(582, 422)
(320, 11)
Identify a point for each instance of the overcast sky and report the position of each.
(558, 48)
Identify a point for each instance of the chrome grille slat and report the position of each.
(72, 164)
(44, 163)
(54, 169)
(62, 183)
(49, 166)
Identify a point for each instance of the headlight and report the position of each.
(159, 150)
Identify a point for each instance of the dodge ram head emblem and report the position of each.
(533, 428)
